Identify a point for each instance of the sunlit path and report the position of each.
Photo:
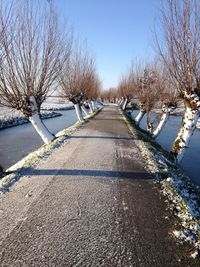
(90, 203)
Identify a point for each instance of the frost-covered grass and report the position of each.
(182, 194)
(16, 118)
(14, 173)
(57, 106)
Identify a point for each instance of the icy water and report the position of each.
(191, 161)
(17, 142)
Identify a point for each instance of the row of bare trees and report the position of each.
(37, 57)
(173, 77)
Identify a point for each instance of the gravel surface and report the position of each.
(90, 203)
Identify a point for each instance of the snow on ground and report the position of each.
(182, 194)
(11, 117)
(57, 106)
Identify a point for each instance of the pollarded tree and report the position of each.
(92, 91)
(111, 95)
(32, 51)
(167, 98)
(151, 93)
(140, 89)
(125, 89)
(181, 56)
(77, 78)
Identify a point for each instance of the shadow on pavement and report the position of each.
(94, 173)
(102, 137)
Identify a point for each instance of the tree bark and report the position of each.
(37, 123)
(78, 112)
(41, 128)
(84, 110)
(166, 110)
(141, 114)
(93, 105)
(139, 117)
(90, 106)
(161, 124)
(125, 103)
(186, 130)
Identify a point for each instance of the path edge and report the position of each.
(183, 196)
(14, 173)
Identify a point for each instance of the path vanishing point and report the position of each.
(89, 203)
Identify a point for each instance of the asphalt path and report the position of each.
(90, 203)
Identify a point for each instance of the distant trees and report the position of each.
(125, 90)
(31, 56)
(150, 86)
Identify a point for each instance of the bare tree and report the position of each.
(32, 52)
(110, 95)
(125, 89)
(181, 54)
(78, 79)
(167, 98)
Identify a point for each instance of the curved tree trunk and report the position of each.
(84, 110)
(166, 110)
(37, 123)
(187, 128)
(139, 117)
(161, 124)
(41, 128)
(125, 103)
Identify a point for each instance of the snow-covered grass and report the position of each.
(57, 106)
(14, 173)
(183, 196)
(16, 118)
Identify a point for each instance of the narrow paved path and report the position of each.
(90, 203)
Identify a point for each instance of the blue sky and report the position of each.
(117, 31)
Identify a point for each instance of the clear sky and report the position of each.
(117, 31)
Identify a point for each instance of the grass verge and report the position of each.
(182, 194)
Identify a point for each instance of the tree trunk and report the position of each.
(41, 128)
(161, 124)
(120, 102)
(141, 114)
(139, 117)
(90, 106)
(186, 130)
(125, 103)
(84, 110)
(78, 112)
(166, 110)
(149, 126)
(93, 105)
(37, 123)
